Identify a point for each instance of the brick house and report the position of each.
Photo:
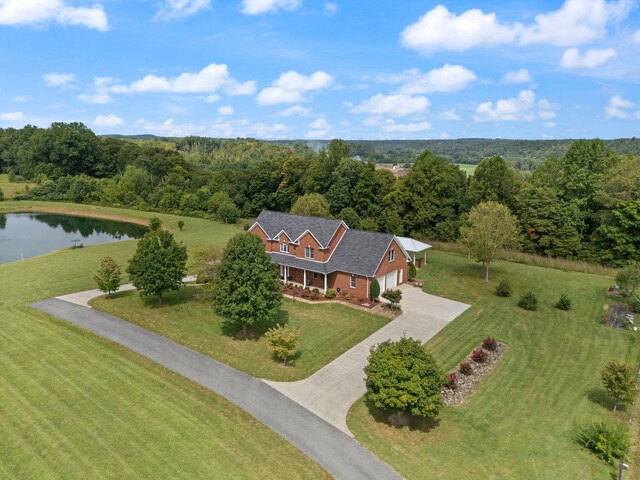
(325, 253)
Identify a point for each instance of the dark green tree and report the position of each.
(494, 180)
(402, 377)
(246, 289)
(159, 263)
(374, 289)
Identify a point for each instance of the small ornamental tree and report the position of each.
(503, 289)
(412, 271)
(564, 303)
(402, 377)
(159, 263)
(629, 279)
(374, 289)
(528, 301)
(394, 296)
(180, 225)
(108, 276)
(246, 288)
(283, 341)
(619, 381)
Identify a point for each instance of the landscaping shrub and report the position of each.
(394, 296)
(634, 303)
(479, 355)
(564, 303)
(347, 297)
(412, 271)
(315, 294)
(607, 440)
(503, 289)
(489, 343)
(374, 289)
(331, 293)
(465, 368)
(452, 381)
(528, 301)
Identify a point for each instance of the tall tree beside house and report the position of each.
(159, 263)
(108, 276)
(402, 377)
(311, 204)
(490, 228)
(246, 288)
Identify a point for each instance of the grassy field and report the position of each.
(467, 168)
(11, 189)
(327, 331)
(75, 406)
(520, 422)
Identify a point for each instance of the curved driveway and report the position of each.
(339, 454)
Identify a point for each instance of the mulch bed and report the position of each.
(467, 384)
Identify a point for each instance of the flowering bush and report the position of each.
(466, 368)
(489, 343)
(452, 381)
(479, 355)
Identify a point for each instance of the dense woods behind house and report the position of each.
(573, 199)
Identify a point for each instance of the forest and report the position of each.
(580, 202)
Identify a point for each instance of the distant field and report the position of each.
(73, 405)
(10, 189)
(467, 168)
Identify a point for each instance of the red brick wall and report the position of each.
(400, 262)
(342, 281)
(308, 240)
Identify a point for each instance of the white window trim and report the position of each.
(284, 248)
(352, 281)
(392, 255)
(309, 252)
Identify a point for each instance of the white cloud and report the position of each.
(448, 78)
(398, 105)
(208, 80)
(258, 7)
(62, 80)
(11, 116)
(550, 124)
(291, 86)
(320, 128)
(95, 98)
(22, 98)
(450, 115)
(213, 98)
(173, 9)
(110, 120)
(517, 76)
(170, 128)
(575, 22)
(591, 59)
(226, 110)
(522, 108)
(330, 8)
(391, 126)
(439, 29)
(618, 108)
(42, 12)
(295, 111)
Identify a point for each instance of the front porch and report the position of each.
(304, 278)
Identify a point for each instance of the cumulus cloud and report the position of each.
(60, 80)
(397, 105)
(296, 111)
(572, 58)
(391, 126)
(226, 110)
(517, 76)
(448, 78)
(330, 8)
(11, 116)
(100, 95)
(319, 128)
(170, 128)
(618, 107)
(210, 79)
(174, 9)
(258, 7)
(522, 108)
(110, 120)
(575, 22)
(450, 115)
(292, 86)
(43, 12)
(213, 98)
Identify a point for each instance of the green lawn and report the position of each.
(327, 331)
(12, 189)
(520, 422)
(467, 168)
(75, 406)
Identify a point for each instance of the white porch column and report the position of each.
(325, 283)
(304, 275)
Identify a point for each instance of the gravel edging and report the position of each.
(467, 384)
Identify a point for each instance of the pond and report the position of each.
(25, 235)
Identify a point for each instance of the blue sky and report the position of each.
(324, 69)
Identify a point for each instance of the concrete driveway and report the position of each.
(330, 392)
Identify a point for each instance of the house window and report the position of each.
(353, 281)
(284, 248)
(392, 255)
(309, 252)
(315, 274)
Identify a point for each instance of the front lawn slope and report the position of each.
(520, 422)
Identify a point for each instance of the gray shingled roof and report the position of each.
(295, 225)
(357, 252)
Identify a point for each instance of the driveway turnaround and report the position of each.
(339, 454)
(330, 392)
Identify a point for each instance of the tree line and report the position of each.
(581, 205)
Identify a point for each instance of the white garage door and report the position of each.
(391, 280)
(382, 283)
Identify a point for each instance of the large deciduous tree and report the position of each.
(311, 204)
(402, 377)
(490, 228)
(494, 180)
(246, 288)
(159, 263)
